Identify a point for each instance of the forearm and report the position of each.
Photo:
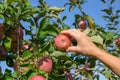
(109, 60)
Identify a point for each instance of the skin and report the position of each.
(88, 48)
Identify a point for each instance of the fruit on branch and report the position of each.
(2, 31)
(3, 53)
(62, 42)
(37, 77)
(45, 63)
(82, 25)
(117, 41)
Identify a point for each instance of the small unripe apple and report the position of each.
(82, 25)
(3, 53)
(2, 31)
(62, 42)
(117, 41)
(45, 63)
(19, 32)
(37, 77)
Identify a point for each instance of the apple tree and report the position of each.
(31, 43)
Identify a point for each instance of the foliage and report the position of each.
(43, 25)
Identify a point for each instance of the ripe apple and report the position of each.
(62, 42)
(45, 63)
(117, 41)
(37, 77)
(82, 25)
(3, 53)
(19, 32)
(2, 31)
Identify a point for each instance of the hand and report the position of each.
(84, 44)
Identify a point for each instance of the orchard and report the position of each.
(32, 45)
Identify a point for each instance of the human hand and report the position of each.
(84, 44)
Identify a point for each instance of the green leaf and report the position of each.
(97, 39)
(11, 1)
(44, 23)
(7, 43)
(64, 17)
(60, 55)
(90, 21)
(27, 54)
(56, 9)
(109, 36)
(9, 62)
(103, 1)
(112, 1)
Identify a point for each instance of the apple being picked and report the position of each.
(37, 77)
(82, 25)
(45, 63)
(62, 42)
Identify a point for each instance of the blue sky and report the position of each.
(92, 8)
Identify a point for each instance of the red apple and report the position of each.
(2, 31)
(3, 53)
(82, 25)
(20, 32)
(45, 63)
(37, 77)
(62, 42)
(117, 41)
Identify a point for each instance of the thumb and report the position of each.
(72, 49)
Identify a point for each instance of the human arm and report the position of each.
(87, 47)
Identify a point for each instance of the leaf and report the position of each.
(103, 1)
(64, 17)
(90, 21)
(109, 36)
(97, 39)
(7, 43)
(60, 55)
(87, 31)
(44, 23)
(112, 1)
(56, 9)
(64, 26)
(71, 8)
(9, 62)
(27, 54)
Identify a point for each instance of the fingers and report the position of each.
(73, 49)
(72, 32)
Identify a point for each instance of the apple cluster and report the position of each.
(41, 64)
